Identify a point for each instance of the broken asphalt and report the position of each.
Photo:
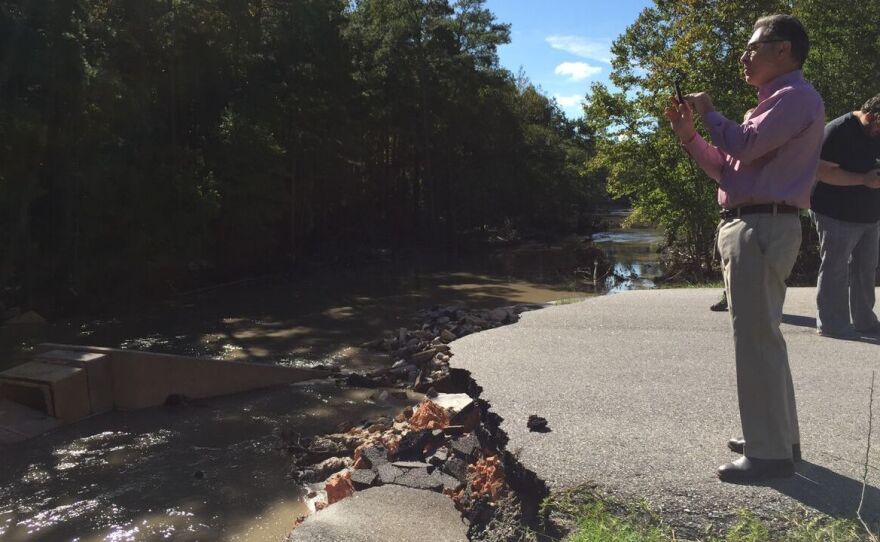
(639, 392)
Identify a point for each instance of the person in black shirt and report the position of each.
(845, 208)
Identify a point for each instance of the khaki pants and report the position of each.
(758, 252)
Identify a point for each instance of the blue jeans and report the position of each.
(847, 275)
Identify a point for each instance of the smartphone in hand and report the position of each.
(678, 96)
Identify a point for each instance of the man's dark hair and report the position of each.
(872, 106)
(788, 28)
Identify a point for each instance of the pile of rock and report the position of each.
(445, 444)
(438, 446)
(422, 353)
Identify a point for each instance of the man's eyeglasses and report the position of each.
(752, 48)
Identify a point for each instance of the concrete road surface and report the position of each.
(639, 390)
(386, 514)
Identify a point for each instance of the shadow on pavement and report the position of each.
(810, 322)
(830, 493)
(798, 320)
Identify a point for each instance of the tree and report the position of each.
(670, 40)
(150, 144)
(844, 64)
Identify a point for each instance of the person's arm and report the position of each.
(786, 116)
(707, 156)
(833, 174)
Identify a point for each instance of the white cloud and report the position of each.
(577, 71)
(569, 101)
(596, 49)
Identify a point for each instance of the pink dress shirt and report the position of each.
(773, 156)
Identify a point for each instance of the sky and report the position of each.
(563, 45)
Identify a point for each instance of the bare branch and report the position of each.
(871, 535)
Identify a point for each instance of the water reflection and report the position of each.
(634, 253)
(322, 319)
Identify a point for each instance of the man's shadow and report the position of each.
(831, 493)
(798, 320)
(810, 322)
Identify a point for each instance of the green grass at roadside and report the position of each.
(799, 528)
(595, 519)
(570, 300)
(596, 524)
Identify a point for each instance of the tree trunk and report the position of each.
(292, 218)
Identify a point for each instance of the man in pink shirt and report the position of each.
(765, 169)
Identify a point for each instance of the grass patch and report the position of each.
(570, 300)
(797, 528)
(596, 524)
(589, 517)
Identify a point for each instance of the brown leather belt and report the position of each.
(769, 208)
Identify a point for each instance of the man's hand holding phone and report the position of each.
(701, 102)
(680, 116)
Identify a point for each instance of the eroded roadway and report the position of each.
(639, 389)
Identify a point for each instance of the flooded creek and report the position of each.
(215, 469)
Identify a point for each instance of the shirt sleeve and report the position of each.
(708, 156)
(786, 116)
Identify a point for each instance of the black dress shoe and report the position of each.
(737, 445)
(751, 469)
(721, 305)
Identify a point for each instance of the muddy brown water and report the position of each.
(215, 469)
(211, 470)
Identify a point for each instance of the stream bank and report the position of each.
(130, 475)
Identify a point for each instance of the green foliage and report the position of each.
(700, 42)
(799, 527)
(821, 529)
(844, 63)
(143, 140)
(748, 529)
(595, 524)
(595, 518)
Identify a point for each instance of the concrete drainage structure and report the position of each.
(62, 384)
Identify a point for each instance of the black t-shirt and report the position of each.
(847, 144)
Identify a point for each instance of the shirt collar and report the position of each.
(786, 79)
